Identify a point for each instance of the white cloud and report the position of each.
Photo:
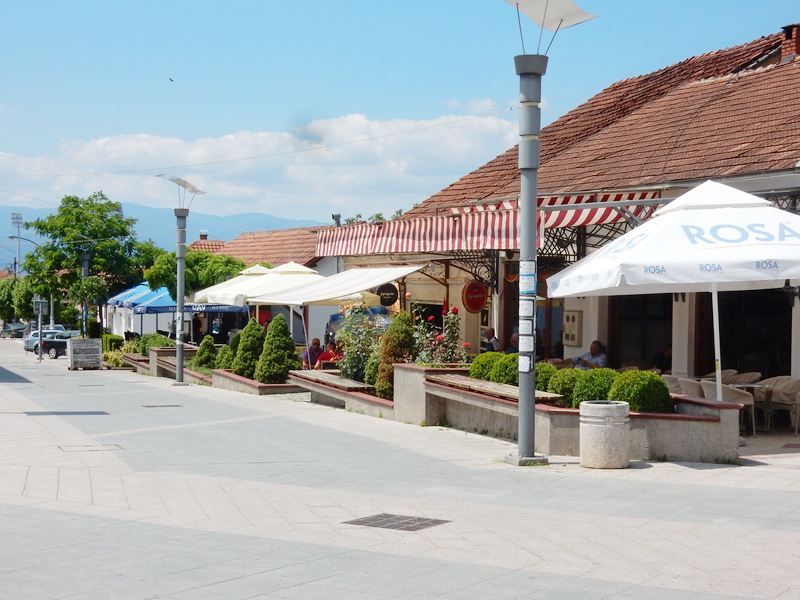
(352, 163)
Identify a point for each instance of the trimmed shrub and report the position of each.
(111, 342)
(251, 344)
(113, 358)
(594, 385)
(278, 355)
(563, 382)
(506, 369)
(206, 355)
(358, 338)
(224, 358)
(645, 391)
(544, 371)
(371, 368)
(130, 347)
(94, 329)
(235, 342)
(397, 346)
(154, 340)
(482, 366)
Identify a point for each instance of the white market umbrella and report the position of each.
(201, 296)
(285, 276)
(713, 238)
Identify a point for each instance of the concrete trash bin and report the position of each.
(605, 434)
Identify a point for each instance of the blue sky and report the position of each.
(301, 109)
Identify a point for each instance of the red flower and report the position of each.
(431, 318)
(454, 311)
(466, 344)
(440, 337)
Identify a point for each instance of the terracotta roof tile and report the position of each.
(277, 246)
(619, 102)
(213, 246)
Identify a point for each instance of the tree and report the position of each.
(397, 346)
(92, 290)
(22, 296)
(201, 269)
(7, 311)
(278, 356)
(92, 228)
(251, 344)
(207, 353)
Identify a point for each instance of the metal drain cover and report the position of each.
(162, 406)
(402, 522)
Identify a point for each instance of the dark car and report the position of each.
(56, 345)
(12, 330)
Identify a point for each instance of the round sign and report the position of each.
(388, 293)
(474, 296)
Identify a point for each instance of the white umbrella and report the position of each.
(285, 276)
(247, 274)
(713, 238)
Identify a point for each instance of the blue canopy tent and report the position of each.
(141, 300)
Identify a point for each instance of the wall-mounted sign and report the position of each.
(388, 293)
(474, 296)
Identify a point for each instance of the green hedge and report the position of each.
(594, 385)
(544, 371)
(505, 369)
(482, 366)
(112, 342)
(645, 391)
(563, 382)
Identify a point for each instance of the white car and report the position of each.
(32, 341)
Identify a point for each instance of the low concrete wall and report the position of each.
(699, 430)
(353, 401)
(227, 380)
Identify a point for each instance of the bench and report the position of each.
(332, 378)
(490, 388)
(331, 389)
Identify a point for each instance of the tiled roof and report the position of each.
(277, 247)
(213, 246)
(616, 104)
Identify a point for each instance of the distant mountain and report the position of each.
(157, 224)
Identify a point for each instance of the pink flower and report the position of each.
(454, 311)
(430, 318)
(440, 337)
(466, 344)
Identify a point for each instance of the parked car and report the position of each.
(12, 330)
(31, 343)
(56, 345)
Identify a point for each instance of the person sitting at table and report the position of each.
(663, 360)
(330, 355)
(311, 354)
(514, 346)
(595, 358)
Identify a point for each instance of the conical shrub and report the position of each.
(396, 347)
(251, 343)
(278, 355)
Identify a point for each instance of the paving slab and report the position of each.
(124, 486)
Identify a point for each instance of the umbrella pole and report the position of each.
(717, 350)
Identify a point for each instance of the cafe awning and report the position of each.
(490, 225)
(347, 287)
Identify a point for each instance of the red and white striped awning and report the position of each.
(488, 226)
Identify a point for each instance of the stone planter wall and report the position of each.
(227, 380)
(699, 431)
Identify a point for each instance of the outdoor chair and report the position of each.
(779, 391)
(742, 378)
(731, 394)
(690, 387)
(727, 374)
(791, 405)
(672, 383)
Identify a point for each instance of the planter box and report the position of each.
(699, 430)
(84, 353)
(227, 380)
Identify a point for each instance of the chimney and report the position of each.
(203, 234)
(791, 40)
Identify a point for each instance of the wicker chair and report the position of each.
(741, 378)
(690, 387)
(731, 394)
(792, 406)
(727, 374)
(783, 393)
(672, 383)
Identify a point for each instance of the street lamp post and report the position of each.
(552, 15)
(180, 258)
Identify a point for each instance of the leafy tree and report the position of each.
(91, 228)
(251, 344)
(7, 311)
(376, 218)
(22, 296)
(355, 219)
(278, 355)
(396, 347)
(396, 214)
(92, 290)
(201, 269)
